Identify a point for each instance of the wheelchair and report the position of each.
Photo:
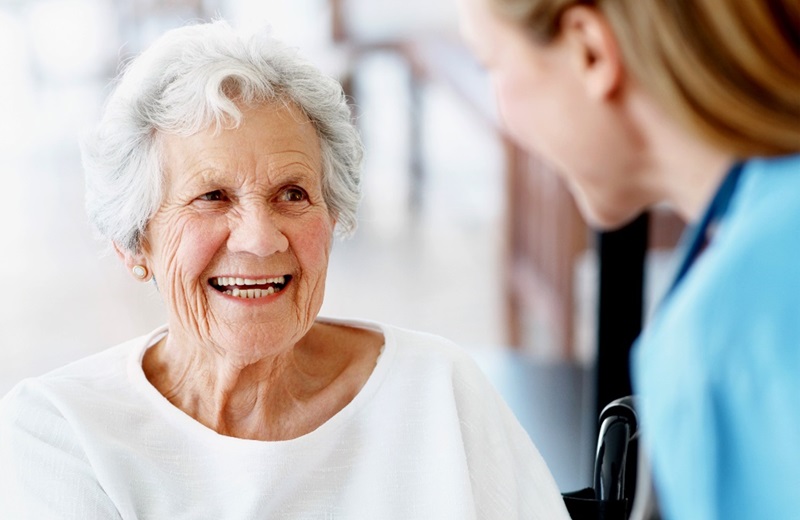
(620, 471)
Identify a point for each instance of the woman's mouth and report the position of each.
(249, 287)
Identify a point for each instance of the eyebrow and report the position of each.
(286, 174)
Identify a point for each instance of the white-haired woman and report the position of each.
(220, 170)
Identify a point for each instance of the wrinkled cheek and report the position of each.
(185, 256)
(177, 293)
(313, 250)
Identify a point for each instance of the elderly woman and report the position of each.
(695, 104)
(220, 171)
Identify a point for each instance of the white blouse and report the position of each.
(427, 437)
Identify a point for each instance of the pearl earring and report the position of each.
(140, 272)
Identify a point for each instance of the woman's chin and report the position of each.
(604, 222)
(605, 216)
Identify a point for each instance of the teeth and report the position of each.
(250, 293)
(223, 281)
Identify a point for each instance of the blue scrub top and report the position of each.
(717, 370)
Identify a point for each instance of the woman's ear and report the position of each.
(595, 54)
(136, 264)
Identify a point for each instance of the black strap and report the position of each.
(696, 237)
(583, 505)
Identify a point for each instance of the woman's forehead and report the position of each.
(233, 175)
(226, 174)
(271, 125)
(269, 142)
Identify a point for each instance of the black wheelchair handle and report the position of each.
(617, 429)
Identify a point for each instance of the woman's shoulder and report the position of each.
(744, 288)
(99, 375)
(412, 345)
(429, 359)
(766, 205)
(755, 252)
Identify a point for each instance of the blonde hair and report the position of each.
(728, 69)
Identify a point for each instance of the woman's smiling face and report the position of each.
(240, 244)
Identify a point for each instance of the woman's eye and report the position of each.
(293, 194)
(213, 196)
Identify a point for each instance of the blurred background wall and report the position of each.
(461, 233)
(430, 263)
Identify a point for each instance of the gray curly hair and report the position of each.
(193, 78)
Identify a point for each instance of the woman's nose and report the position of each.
(255, 231)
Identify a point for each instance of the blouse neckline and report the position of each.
(179, 419)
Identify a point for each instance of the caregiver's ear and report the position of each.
(593, 50)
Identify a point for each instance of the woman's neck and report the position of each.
(691, 177)
(686, 170)
(279, 397)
